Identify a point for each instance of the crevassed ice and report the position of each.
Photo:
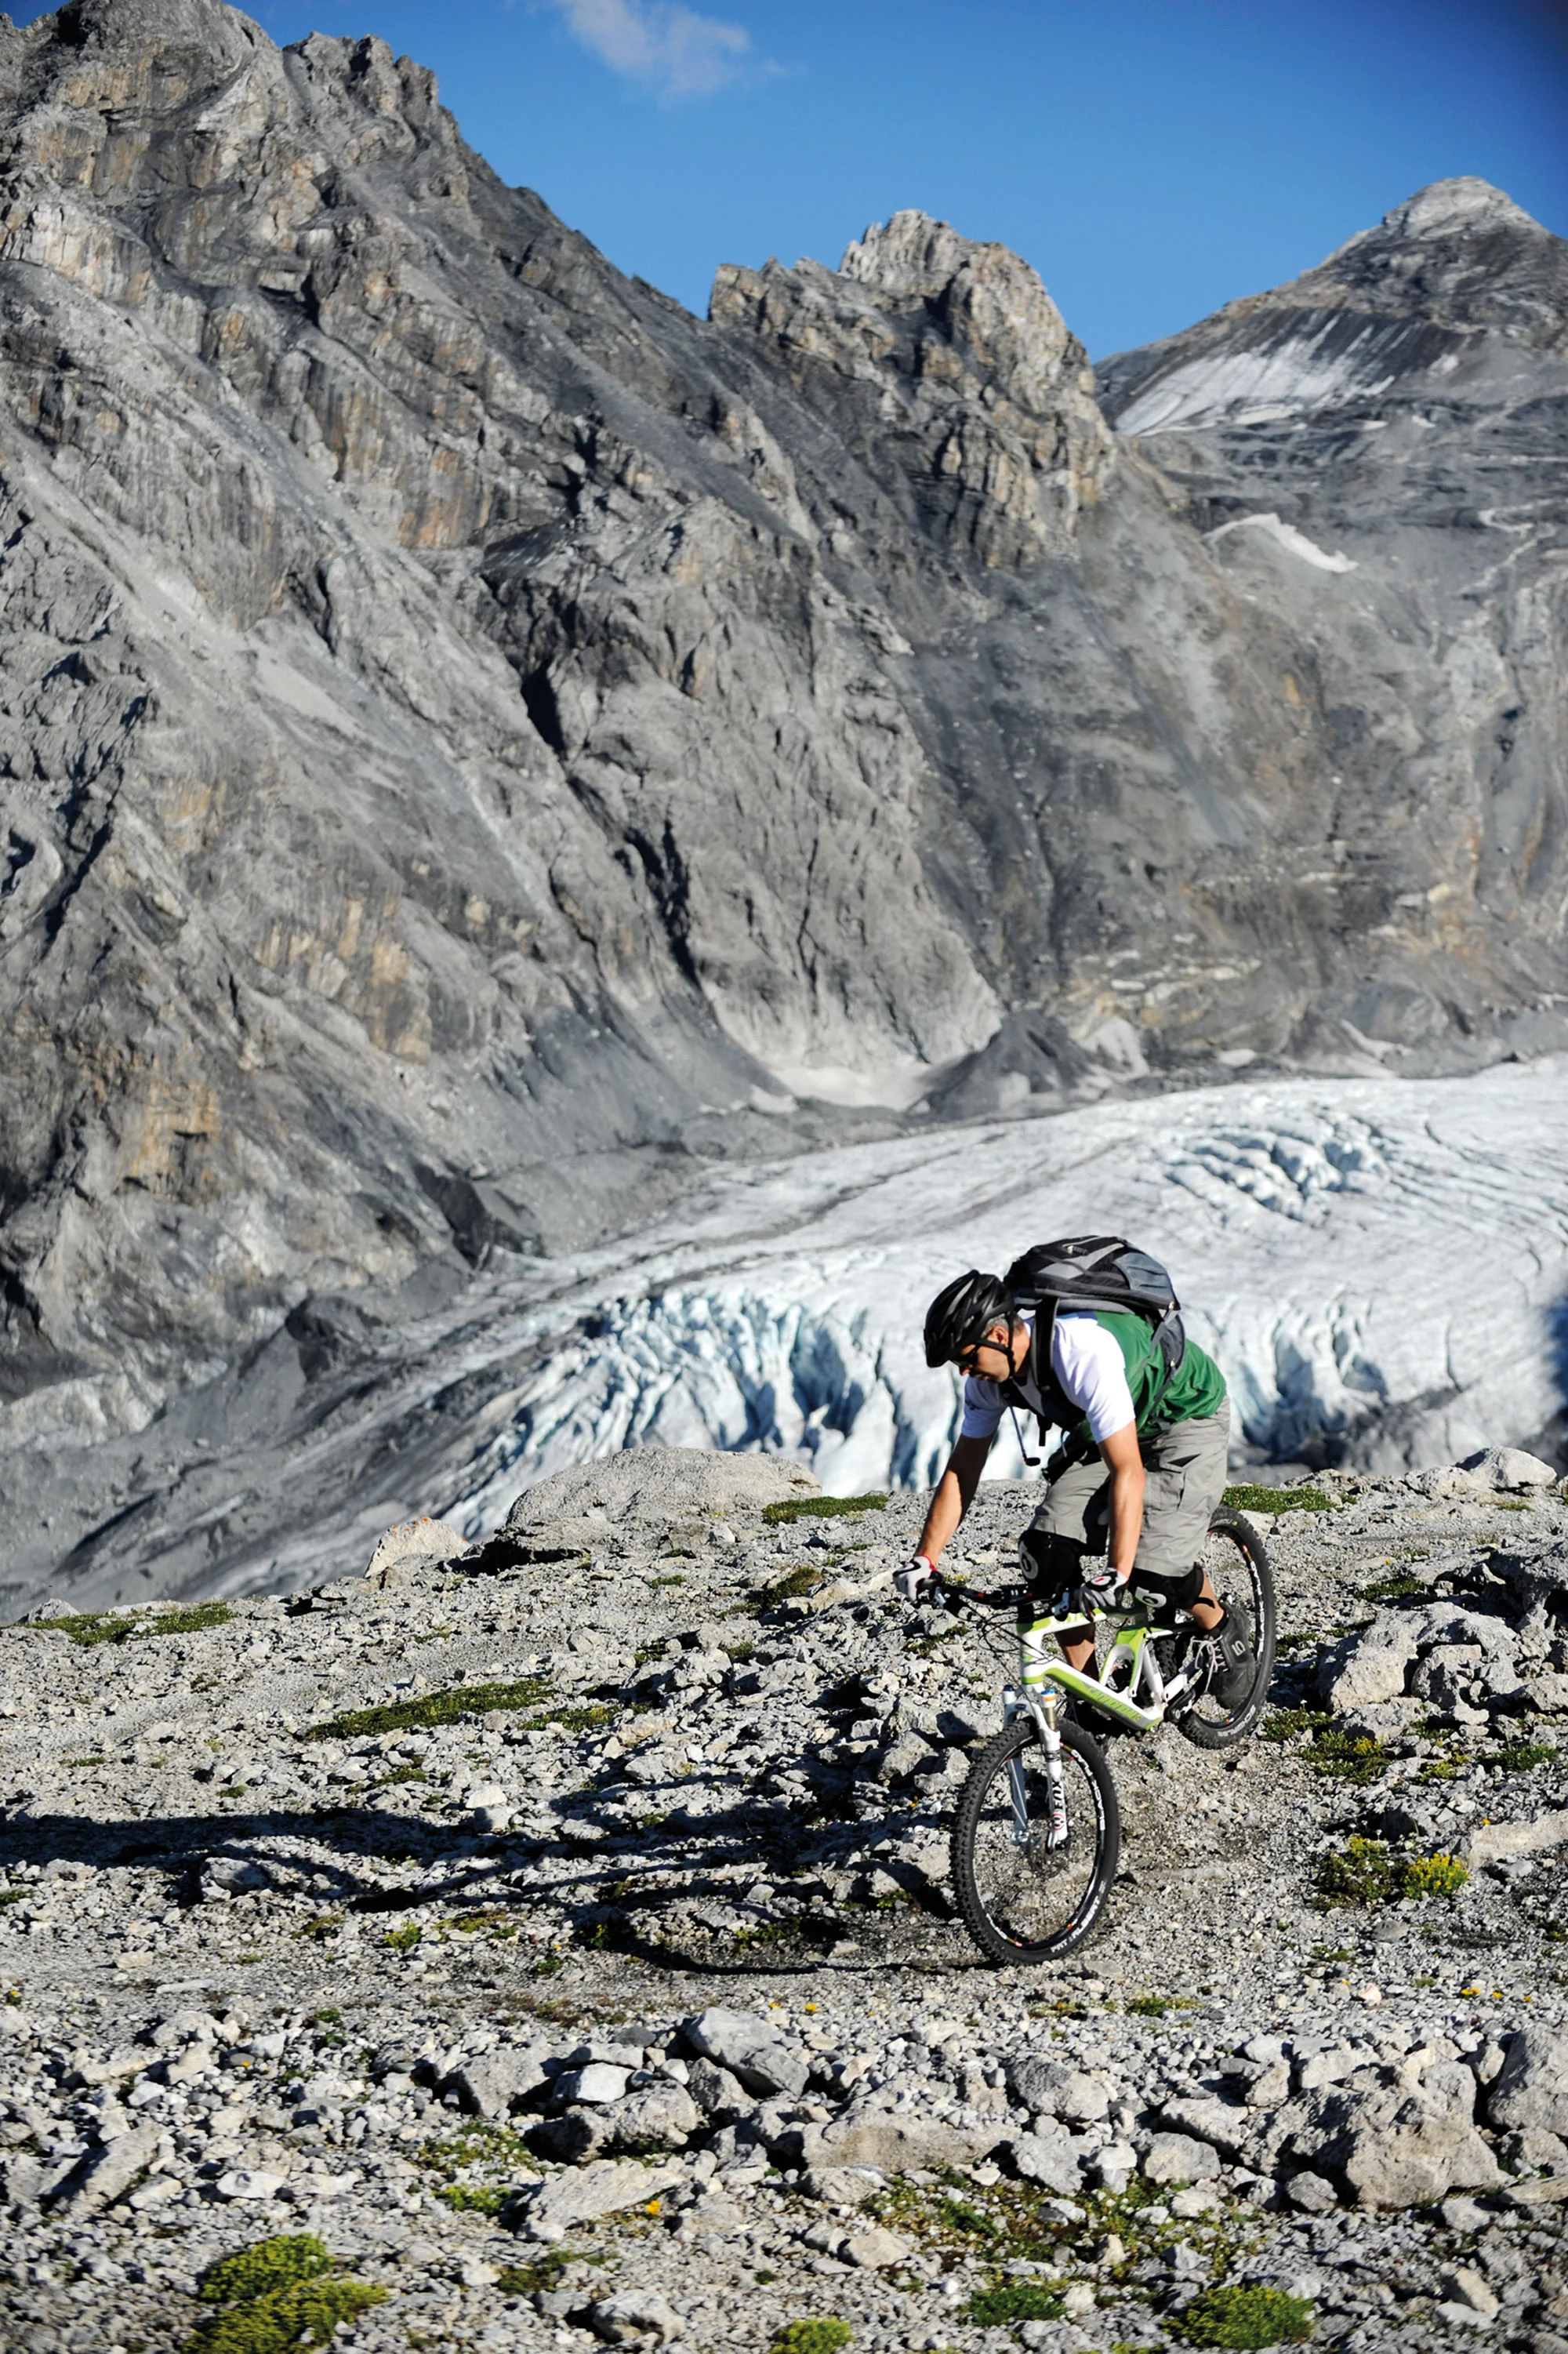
(1383, 1262)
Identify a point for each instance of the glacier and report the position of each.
(1380, 1267)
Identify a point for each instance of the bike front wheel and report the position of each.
(1022, 1899)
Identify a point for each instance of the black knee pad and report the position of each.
(1051, 1563)
(1182, 1591)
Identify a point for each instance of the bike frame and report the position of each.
(1131, 1671)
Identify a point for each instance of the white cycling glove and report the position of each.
(915, 1574)
(1104, 1590)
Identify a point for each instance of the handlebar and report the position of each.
(1006, 1597)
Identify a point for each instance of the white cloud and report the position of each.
(670, 48)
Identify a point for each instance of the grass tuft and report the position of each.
(787, 1588)
(310, 2314)
(271, 2264)
(87, 1628)
(1234, 2315)
(1250, 1497)
(820, 2337)
(1397, 1588)
(1364, 1872)
(1433, 1875)
(820, 1508)
(436, 1708)
(1519, 1757)
(277, 2296)
(1013, 2300)
(1331, 1755)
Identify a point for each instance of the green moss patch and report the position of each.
(787, 1588)
(544, 2271)
(436, 1708)
(1522, 1757)
(88, 1627)
(1397, 1588)
(271, 2264)
(953, 2217)
(1250, 1497)
(821, 2337)
(480, 2163)
(1014, 2300)
(1365, 1871)
(1331, 1754)
(278, 2295)
(587, 1717)
(820, 1508)
(1234, 2315)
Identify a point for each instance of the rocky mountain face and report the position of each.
(561, 1934)
(479, 743)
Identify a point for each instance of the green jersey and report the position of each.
(1197, 1387)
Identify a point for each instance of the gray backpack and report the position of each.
(1084, 1272)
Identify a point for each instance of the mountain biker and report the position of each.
(1151, 1455)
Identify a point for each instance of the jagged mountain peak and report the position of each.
(1401, 310)
(1444, 207)
(1457, 254)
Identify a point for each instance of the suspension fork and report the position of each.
(1044, 1705)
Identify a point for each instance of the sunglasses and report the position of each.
(968, 1360)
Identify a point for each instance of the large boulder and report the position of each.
(657, 2116)
(1532, 2088)
(606, 2187)
(1228, 2129)
(1495, 1842)
(1176, 2157)
(751, 2048)
(1048, 2158)
(488, 2086)
(1394, 2146)
(1052, 2088)
(1493, 1471)
(1362, 1670)
(657, 1485)
(893, 2142)
(412, 1545)
(634, 2317)
(1537, 1579)
(1373, 1667)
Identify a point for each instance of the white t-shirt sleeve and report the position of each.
(1090, 1367)
(982, 1409)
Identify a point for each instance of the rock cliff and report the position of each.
(477, 742)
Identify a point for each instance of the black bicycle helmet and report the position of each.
(961, 1311)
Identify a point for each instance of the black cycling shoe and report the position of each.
(1233, 1642)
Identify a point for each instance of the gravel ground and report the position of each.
(616, 1995)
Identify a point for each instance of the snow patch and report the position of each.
(1286, 536)
(895, 1085)
(1256, 387)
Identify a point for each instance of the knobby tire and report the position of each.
(1204, 1725)
(1075, 1881)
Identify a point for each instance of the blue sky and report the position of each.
(1153, 161)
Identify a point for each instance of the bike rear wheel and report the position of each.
(1238, 1570)
(1021, 1900)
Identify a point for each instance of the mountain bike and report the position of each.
(1037, 1835)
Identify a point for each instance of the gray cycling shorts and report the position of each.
(1184, 1469)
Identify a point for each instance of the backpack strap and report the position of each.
(1056, 1408)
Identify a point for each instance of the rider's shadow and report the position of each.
(605, 1894)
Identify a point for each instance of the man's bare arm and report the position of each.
(1123, 1459)
(955, 1493)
